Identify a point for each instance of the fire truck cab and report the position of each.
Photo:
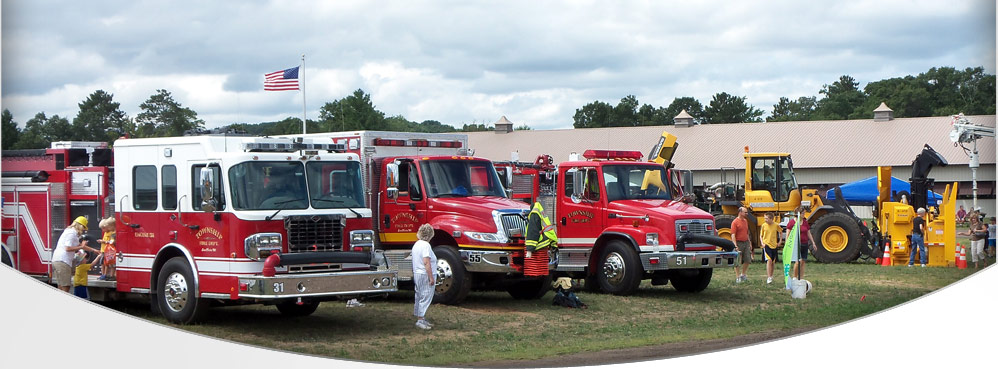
(621, 220)
(417, 178)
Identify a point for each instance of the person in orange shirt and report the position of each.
(740, 237)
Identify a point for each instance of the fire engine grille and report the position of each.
(513, 221)
(314, 233)
(695, 226)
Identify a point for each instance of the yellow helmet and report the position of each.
(82, 220)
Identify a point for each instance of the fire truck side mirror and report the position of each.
(578, 184)
(207, 197)
(392, 178)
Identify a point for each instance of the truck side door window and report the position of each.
(591, 190)
(409, 181)
(144, 189)
(169, 187)
(216, 187)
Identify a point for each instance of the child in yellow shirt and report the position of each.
(770, 234)
(80, 274)
(108, 249)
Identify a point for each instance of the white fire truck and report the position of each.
(204, 220)
(417, 178)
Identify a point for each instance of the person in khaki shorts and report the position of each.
(740, 237)
(62, 256)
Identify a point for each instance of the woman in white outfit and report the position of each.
(65, 249)
(424, 266)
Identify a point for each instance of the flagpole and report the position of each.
(301, 80)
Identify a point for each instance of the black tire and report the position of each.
(592, 284)
(531, 289)
(899, 194)
(838, 238)
(722, 223)
(693, 280)
(619, 269)
(5, 258)
(455, 281)
(292, 309)
(176, 293)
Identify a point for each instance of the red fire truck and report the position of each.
(203, 220)
(619, 220)
(417, 178)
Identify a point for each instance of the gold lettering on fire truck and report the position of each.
(145, 235)
(405, 222)
(580, 216)
(208, 237)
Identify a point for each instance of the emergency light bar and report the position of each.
(416, 143)
(291, 146)
(612, 155)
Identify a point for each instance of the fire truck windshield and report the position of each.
(636, 182)
(460, 178)
(271, 185)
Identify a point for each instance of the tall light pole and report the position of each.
(965, 132)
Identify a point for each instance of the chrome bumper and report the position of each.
(480, 261)
(475, 261)
(315, 285)
(689, 260)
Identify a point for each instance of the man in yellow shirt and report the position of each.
(770, 234)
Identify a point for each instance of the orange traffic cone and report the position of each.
(956, 255)
(963, 258)
(886, 259)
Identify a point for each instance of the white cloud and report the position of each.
(459, 62)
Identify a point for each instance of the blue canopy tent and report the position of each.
(864, 191)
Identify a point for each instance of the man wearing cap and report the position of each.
(917, 238)
(62, 256)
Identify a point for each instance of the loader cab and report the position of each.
(770, 180)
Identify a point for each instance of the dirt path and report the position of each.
(636, 354)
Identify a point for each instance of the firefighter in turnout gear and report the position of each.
(540, 237)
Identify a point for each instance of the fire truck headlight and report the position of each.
(262, 245)
(484, 237)
(362, 240)
(651, 239)
(361, 237)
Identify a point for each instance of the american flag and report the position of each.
(282, 80)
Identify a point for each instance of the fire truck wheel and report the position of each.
(292, 309)
(619, 270)
(592, 283)
(176, 293)
(692, 281)
(531, 289)
(5, 258)
(837, 238)
(455, 281)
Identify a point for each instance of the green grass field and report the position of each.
(491, 326)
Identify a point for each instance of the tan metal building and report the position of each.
(825, 153)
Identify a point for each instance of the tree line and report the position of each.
(100, 118)
(937, 92)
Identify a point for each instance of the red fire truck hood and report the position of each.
(659, 208)
(479, 207)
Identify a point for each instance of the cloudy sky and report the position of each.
(469, 61)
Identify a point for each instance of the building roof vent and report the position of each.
(503, 125)
(882, 113)
(684, 119)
